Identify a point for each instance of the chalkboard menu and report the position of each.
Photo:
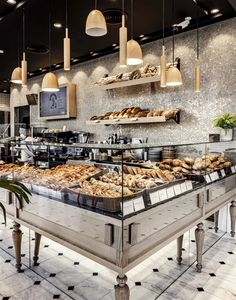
(53, 104)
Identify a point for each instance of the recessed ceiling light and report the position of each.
(57, 25)
(75, 59)
(215, 11)
(1, 51)
(4, 91)
(141, 35)
(91, 52)
(11, 1)
(94, 54)
(114, 45)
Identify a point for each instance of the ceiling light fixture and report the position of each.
(67, 44)
(24, 62)
(163, 56)
(50, 82)
(214, 11)
(96, 23)
(16, 74)
(57, 25)
(173, 75)
(12, 2)
(1, 51)
(123, 39)
(197, 87)
(4, 91)
(134, 51)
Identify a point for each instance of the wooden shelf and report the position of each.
(127, 83)
(145, 120)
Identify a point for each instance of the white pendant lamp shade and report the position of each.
(50, 83)
(134, 53)
(163, 68)
(16, 76)
(24, 71)
(173, 77)
(66, 52)
(123, 43)
(197, 77)
(96, 24)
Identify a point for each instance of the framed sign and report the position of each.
(58, 105)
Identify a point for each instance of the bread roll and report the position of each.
(157, 113)
(150, 114)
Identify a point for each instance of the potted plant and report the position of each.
(18, 189)
(226, 122)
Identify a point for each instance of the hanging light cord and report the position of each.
(198, 36)
(132, 19)
(123, 7)
(163, 22)
(23, 30)
(49, 35)
(173, 31)
(66, 14)
(18, 52)
(95, 4)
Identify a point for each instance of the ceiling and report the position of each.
(147, 22)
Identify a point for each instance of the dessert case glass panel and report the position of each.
(118, 181)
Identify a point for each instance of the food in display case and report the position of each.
(148, 70)
(137, 112)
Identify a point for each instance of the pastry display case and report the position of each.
(131, 201)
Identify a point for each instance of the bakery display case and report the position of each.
(118, 204)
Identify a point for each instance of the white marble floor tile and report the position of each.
(14, 284)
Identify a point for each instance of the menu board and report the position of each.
(53, 104)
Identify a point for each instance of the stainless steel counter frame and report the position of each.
(121, 245)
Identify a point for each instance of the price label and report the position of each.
(170, 192)
(128, 207)
(183, 187)
(233, 170)
(189, 185)
(154, 197)
(222, 172)
(177, 189)
(163, 195)
(207, 178)
(214, 176)
(138, 204)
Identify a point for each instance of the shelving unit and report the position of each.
(128, 121)
(127, 83)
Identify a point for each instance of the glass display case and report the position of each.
(119, 204)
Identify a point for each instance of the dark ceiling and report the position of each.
(147, 22)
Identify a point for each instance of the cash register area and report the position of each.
(65, 274)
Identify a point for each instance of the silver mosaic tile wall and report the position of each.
(218, 48)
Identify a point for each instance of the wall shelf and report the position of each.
(128, 121)
(127, 83)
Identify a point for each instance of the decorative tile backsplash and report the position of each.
(217, 54)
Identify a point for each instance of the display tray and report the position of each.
(102, 203)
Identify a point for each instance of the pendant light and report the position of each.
(24, 62)
(16, 74)
(134, 51)
(96, 24)
(173, 75)
(50, 82)
(67, 44)
(197, 66)
(163, 56)
(123, 39)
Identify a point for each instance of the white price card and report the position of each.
(170, 192)
(163, 195)
(189, 185)
(138, 204)
(214, 176)
(177, 189)
(128, 207)
(222, 172)
(233, 170)
(183, 187)
(207, 178)
(154, 197)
